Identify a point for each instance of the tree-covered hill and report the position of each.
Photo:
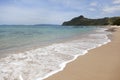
(81, 20)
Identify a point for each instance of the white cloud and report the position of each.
(116, 1)
(114, 8)
(93, 4)
(111, 9)
(71, 4)
(92, 9)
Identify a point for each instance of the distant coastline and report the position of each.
(29, 25)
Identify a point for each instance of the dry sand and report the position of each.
(102, 63)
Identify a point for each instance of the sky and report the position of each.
(54, 11)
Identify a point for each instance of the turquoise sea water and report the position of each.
(18, 37)
(64, 44)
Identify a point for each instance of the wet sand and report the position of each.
(101, 63)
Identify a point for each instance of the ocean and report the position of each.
(34, 52)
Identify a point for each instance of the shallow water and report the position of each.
(37, 64)
(18, 38)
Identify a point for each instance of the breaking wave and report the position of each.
(40, 63)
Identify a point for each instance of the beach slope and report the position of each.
(102, 63)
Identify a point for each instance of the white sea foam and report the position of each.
(43, 62)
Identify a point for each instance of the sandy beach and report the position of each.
(102, 63)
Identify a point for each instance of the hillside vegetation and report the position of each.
(81, 20)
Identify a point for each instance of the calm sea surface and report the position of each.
(17, 38)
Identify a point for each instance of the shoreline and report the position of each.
(83, 64)
(36, 46)
(63, 65)
(42, 45)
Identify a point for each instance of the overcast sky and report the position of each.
(54, 11)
